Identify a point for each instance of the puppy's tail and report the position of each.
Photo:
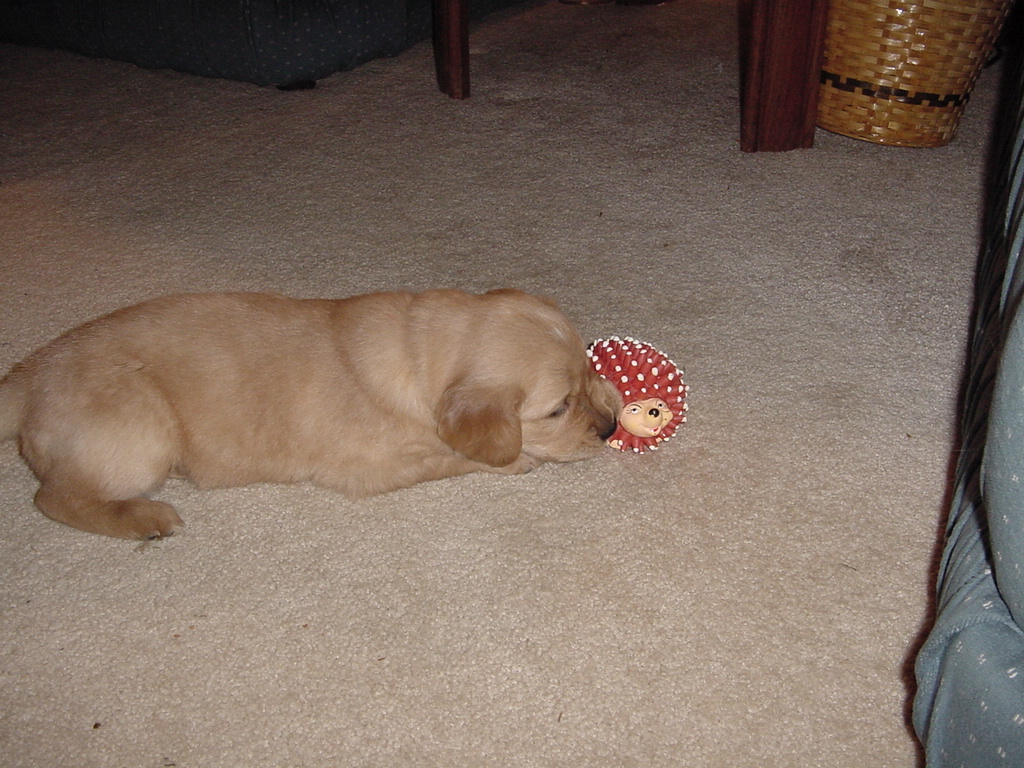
(13, 401)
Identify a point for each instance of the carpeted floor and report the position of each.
(748, 597)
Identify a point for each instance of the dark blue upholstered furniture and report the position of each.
(267, 42)
(969, 708)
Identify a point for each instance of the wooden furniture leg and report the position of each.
(451, 46)
(781, 43)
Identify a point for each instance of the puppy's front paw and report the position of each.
(523, 464)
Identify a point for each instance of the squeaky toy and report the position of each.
(651, 386)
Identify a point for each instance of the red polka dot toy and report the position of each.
(650, 384)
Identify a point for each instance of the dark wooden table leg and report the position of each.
(781, 43)
(451, 47)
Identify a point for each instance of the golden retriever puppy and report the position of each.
(365, 395)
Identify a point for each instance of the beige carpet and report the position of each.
(748, 597)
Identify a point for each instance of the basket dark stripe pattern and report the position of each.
(901, 73)
(853, 85)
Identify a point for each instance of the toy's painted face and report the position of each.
(645, 418)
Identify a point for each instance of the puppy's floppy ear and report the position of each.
(482, 422)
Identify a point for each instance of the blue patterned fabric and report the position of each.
(969, 708)
(267, 42)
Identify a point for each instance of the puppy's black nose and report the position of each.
(609, 430)
(656, 413)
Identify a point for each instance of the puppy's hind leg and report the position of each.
(136, 518)
(93, 472)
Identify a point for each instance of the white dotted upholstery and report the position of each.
(969, 708)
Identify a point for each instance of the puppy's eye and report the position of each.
(560, 410)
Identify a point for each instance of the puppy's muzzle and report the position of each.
(607, 429)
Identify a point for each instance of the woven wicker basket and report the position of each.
(899, 72)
